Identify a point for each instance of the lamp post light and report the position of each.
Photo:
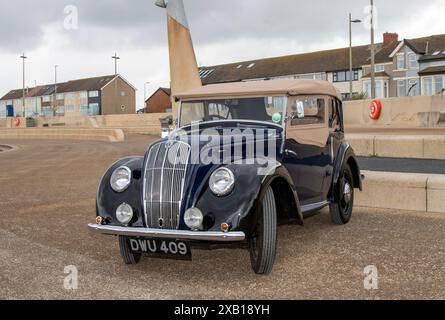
(350, 54)
(23, 57)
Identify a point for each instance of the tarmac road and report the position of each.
(426, 166)
(47, 191)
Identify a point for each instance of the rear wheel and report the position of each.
(341, 211)
(263, 242)
(126, 253)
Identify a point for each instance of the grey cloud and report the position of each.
(138, 23)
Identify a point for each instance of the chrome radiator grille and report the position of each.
(164, 183)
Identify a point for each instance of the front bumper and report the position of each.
(169, 234)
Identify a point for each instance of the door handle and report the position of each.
(290, 152)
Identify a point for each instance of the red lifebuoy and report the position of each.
(375, 110)
(17, 122)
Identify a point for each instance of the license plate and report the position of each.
(166, 249)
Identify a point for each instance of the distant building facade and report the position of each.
(159, 102)
(92, 96)
(410, 67)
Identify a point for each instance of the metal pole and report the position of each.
(373, 91)
(23, 57)
(35, 93)
(351, 75)
(55, 90)
(145, 95)
(350, 56)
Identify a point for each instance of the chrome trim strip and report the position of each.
(179, 167)
(152, 182)
(314, 206)
(169, 234)
(161, 191)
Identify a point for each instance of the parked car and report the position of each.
(171, 200)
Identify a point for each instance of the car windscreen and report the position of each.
(266, 109)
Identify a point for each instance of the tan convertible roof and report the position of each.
(261, 88)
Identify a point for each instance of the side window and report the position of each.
(334, 115)
(308, 111)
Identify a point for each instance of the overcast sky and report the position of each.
(223, 32)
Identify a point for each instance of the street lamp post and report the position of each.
(350, 54)
(55, 89)
(373, 91)
(35, 93)
(23, 57)
(115, 57)
(145, 94)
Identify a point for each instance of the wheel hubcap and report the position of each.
(347, 193)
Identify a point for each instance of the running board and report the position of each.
(309, 208)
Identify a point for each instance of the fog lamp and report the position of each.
(193, 218)
(124, 213)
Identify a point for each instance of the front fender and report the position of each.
(107, 200)
(238, 209)
(233, 208)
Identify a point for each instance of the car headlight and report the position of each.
(193, 218)
(120, 179)
(124, 213)
(222, 182)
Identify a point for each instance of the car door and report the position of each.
(307, 153)
(336, 136)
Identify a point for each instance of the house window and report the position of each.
(367, 88)
(60, 96)
(438, 85)
(427, 86)
(401, 88)
(343, 76)
(123, 94)
(379, 89)
(93, 109)
(47, 111)
(60, 110)
(84, 110)
(311, 76)
(401, 61)
(413, 87)
(93, 94)
(46, 99)
(412, 61)
(379, 68)
(83, 94)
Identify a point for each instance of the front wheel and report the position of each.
(126, 253)
(263, 242)
(341, 210)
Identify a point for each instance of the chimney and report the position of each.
(389, 37)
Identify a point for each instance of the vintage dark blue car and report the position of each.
(244, 158)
